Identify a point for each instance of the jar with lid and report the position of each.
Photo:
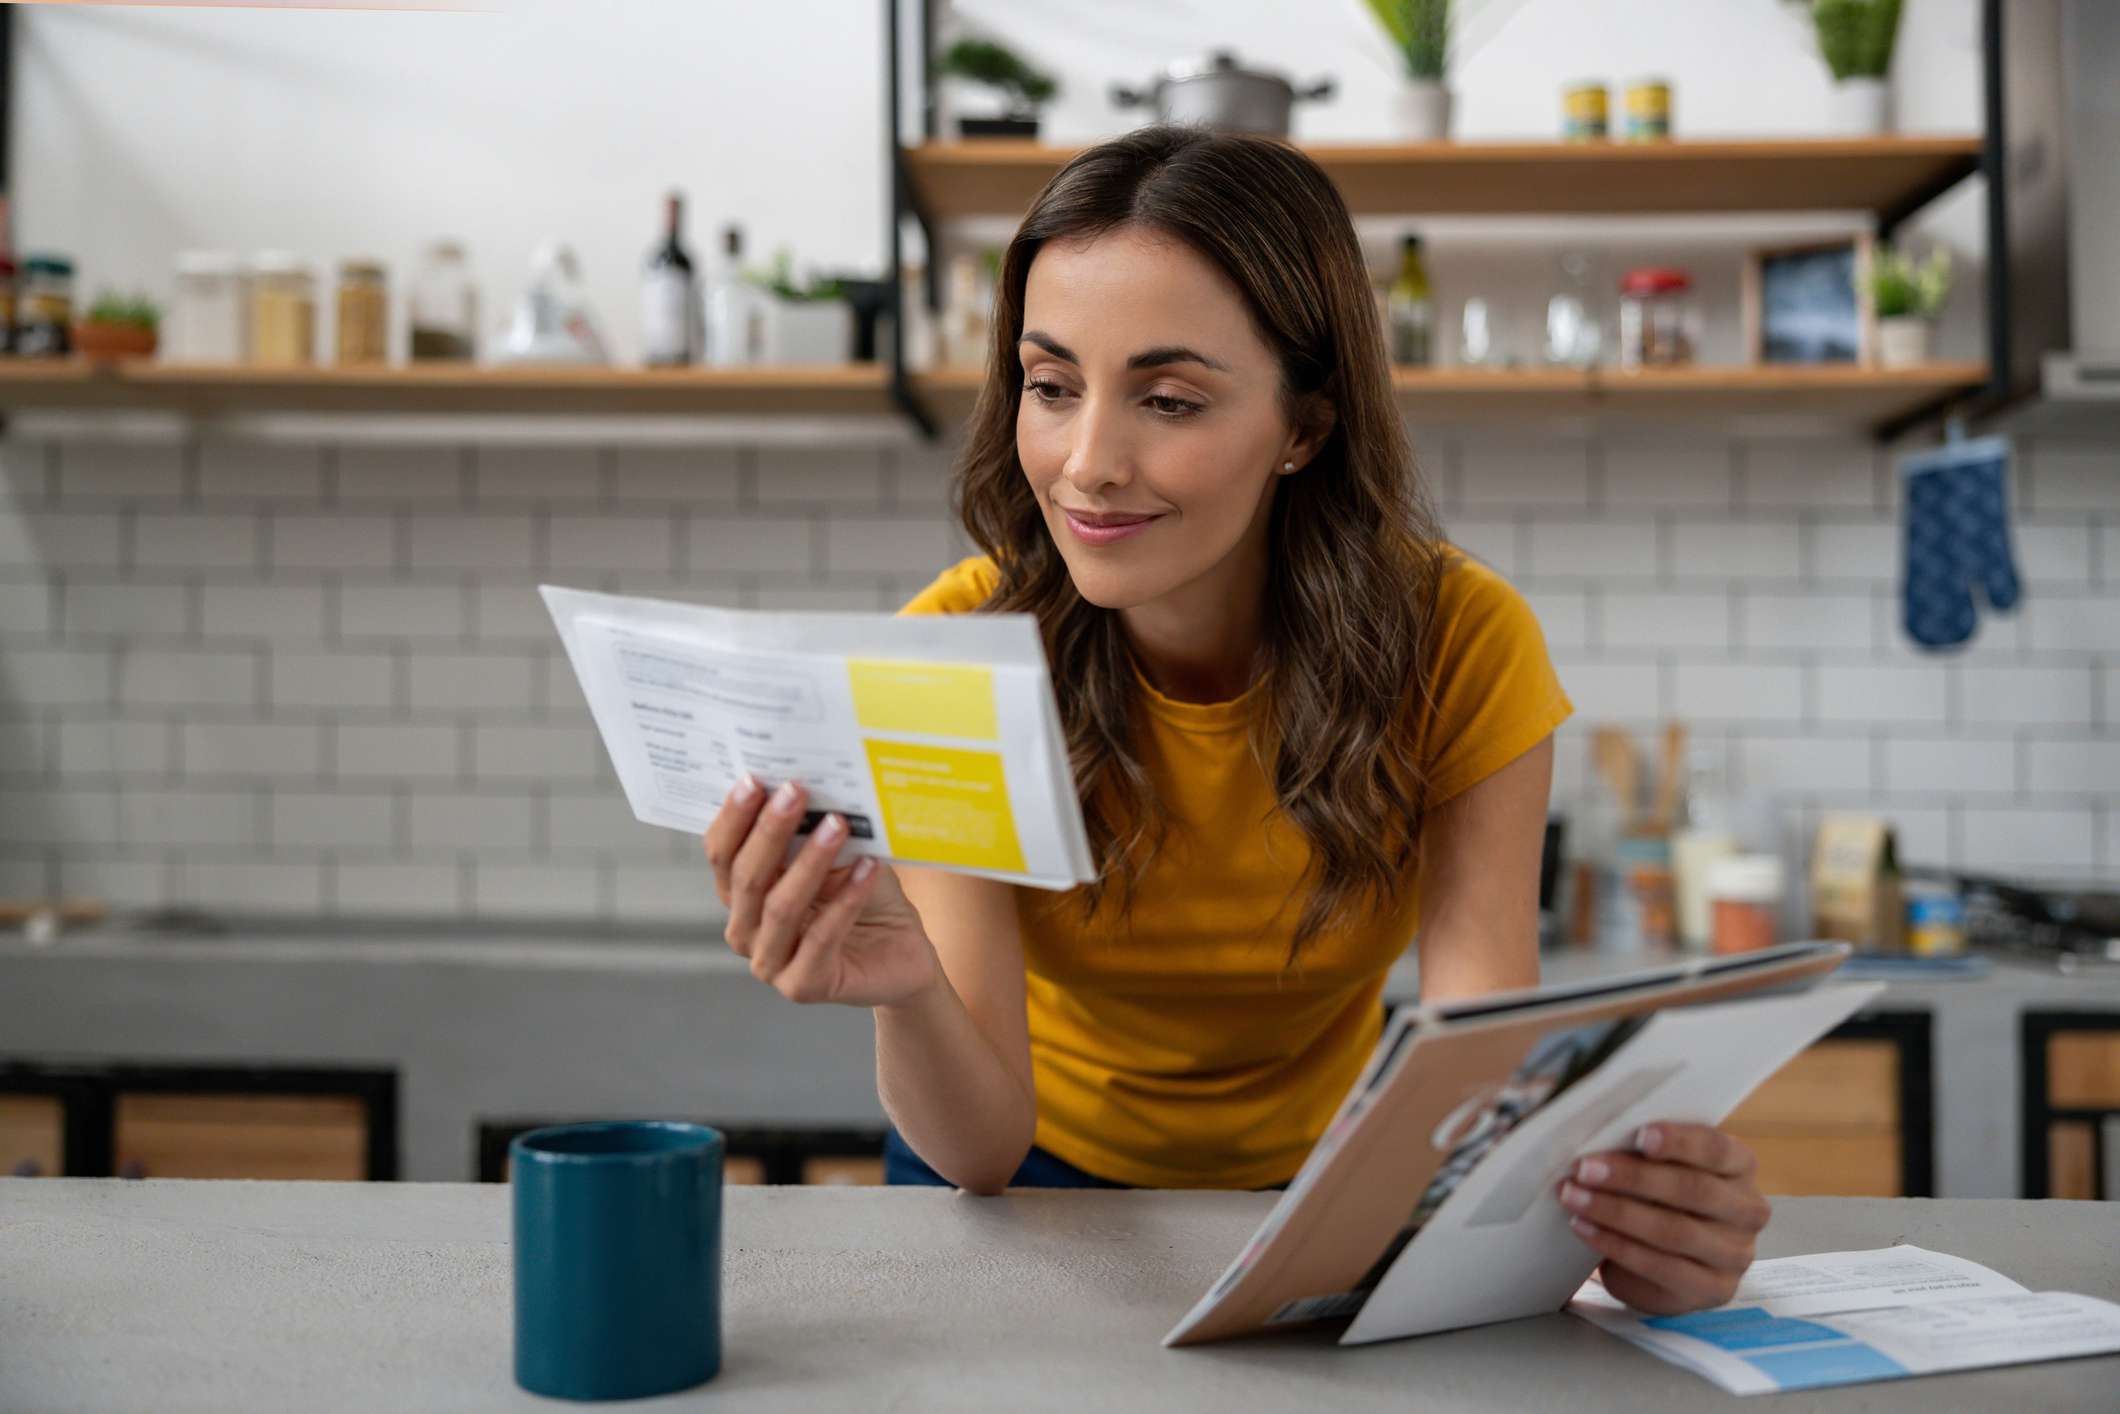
(363, 313)
(211, 320)
(283, 311)
(1744, 892)
(444, 307)
(1658, 323)
(44, 316)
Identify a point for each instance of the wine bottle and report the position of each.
(669, 320)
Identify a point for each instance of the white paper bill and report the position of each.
(936, 737)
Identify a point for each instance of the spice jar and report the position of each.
(1744, 892)
(363, 313)
(1935, 919)
(283, 311)
(44, 316)
(444, 307)
(1583, 111)
(211, 320)
(1648, 111)
(1657, 318)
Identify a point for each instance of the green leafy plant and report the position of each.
(135, 311)
(998, 66)
(1856, 36)
(779, 280)
(1901, 286)
(1420, 30)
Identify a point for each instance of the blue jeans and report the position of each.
(1039, 1169)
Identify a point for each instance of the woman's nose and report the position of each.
(1098, 457)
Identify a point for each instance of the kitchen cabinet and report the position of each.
(2071, 1074)
(1851, 1116)
(753, 1155)
(240, 1136)
(32, 1136)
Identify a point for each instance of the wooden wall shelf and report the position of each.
(1886, 176)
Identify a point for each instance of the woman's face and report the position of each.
(1152, 426)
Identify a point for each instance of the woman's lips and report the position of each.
(1106, 529)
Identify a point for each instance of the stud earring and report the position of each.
(1288, 466)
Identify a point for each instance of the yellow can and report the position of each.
(1648, 109)
(1583, 112)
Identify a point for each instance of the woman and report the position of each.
(1304, 730)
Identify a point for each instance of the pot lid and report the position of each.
(1220, 63)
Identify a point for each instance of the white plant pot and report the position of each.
(807, 331)
(1903, 341)
(1422, 111)
(1859, 108)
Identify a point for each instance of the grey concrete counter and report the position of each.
(527, 1028)
(179, 1296)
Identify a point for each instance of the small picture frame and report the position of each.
(1810, 303)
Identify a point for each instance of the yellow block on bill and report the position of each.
(945, 805)
(934, 699)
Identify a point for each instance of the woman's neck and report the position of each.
(1200, 642)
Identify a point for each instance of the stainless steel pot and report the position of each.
(1223, 95)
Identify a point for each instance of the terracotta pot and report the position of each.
(109, 341)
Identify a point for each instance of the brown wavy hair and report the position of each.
(1354, 550)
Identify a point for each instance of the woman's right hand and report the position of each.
(812, 932)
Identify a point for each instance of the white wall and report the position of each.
(145, 131)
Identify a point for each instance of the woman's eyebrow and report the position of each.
(1147, 358)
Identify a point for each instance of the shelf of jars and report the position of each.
(1884, 176)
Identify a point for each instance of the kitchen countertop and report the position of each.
(219, 1296)
(525, 1027)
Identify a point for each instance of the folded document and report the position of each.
(936, 737)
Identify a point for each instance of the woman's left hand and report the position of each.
(1674, 1219)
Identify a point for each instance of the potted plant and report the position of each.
(1420, 31)
(996, 66)
(117, 326)
(806, 321)
(1855, 38)
(1907, 294)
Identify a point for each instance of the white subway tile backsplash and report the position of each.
(99, 609)
(540, 753)
(456, 680)
(190, 816)
(843, 597)
(920, 474)
(1489, 539)
(599, 823)
(403, 611)
(1791, 622)
(1806, 473)
(1592, 548)
(1853, 550)
(1563, 616)
(501, 475)
(43, 815)
(638, 544)
(278, 610)
(346, 682)
(61, 540)
(198, 540)
(849, 476)
(877, 546)
(341, 540)
(401, 475)
(358, 820)
(727, 544)
(1757, 549)
(1733, 692)
(134, 472)
(1851, 693)
(259, 471)
(502, 890)
(1517, 474)
(2085, 766)
(2074, 475)
(1950, 765)
(55, 677)
(510, 612)
(239, 750)
(493, 540)
(2015, 695)
(668, 893)
(2052, 554)
(183, 677)
(1610, 692)
(2049, 842)
(22, 745)
(275, 886)
(676, 476)
(121, 878)
(1793, 765)
(2109, 695)
(2107, 559)
(397, 890)
(93, 747)
(1662, 620)
(1692, 473)
(397, 751)
(2061, 622)
(471, 824)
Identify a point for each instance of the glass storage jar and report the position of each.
(44, 316)
(363, 313)
(211, 320)
(1658, 322)
(444, 312)
(283, 311)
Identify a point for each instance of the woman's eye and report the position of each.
(1172, 407)
(1044, 391)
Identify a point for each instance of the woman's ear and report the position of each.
(1318, 420)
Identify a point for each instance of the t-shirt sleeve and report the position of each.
(1494, 692)
(959, 589)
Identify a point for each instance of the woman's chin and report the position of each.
(1111, 586)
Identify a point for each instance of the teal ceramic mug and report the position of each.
(617, 1258)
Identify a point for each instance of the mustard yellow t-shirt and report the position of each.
(1173, 1048)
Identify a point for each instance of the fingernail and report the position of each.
(746, 789)
(1575, 1197)
(1650, 1139)
(1583, 1229)
(784, 799)
(829, 832)
(1593, 1170)
(866, 867)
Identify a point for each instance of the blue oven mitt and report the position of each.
(1957, 534)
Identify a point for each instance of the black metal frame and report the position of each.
(89, 1094)
(1910, 1032)
(2035, 1111)
(783, 1151)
